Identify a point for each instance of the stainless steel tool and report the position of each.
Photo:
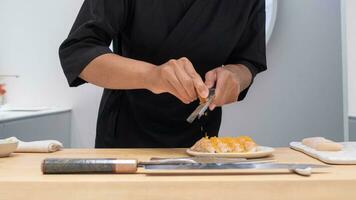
(200, 110)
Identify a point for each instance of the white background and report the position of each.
(300, 94)
(31, 32)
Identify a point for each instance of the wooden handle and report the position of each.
(88, 165)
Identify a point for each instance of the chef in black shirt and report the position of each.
(166, 54)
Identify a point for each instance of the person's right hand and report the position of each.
(179, 78)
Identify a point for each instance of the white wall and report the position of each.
(300, 95)
(31, 32)
(350, 20)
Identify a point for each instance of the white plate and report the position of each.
(262, 151)
(7, 147)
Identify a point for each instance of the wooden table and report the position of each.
(21, 178)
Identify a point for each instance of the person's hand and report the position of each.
(227, 85)
(179, 78)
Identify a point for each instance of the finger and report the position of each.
(199, 85)
(221, 78)
(179, 90)
(174, 92)
(173, 81)
(186, 81)
(210, 78)
(201, 88)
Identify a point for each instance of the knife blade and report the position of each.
(197, 159)
(289, 166)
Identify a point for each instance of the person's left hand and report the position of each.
(227, 86)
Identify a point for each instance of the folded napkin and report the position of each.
(42, 146)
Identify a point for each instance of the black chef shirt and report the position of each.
(208, 32)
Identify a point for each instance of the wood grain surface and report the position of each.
(21, 178)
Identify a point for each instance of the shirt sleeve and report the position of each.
(97, 23)
(250, 50)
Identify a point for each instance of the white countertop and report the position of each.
(16, 115)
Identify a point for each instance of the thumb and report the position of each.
(210, 78)
(201, 88)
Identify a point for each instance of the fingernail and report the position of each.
(205, 93)
(208, 84)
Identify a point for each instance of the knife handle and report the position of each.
(88, 166)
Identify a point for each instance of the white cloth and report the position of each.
(42, 146)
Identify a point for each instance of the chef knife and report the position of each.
(121, 166)
(112, 165)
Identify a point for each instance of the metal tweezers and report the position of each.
(200, 110)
